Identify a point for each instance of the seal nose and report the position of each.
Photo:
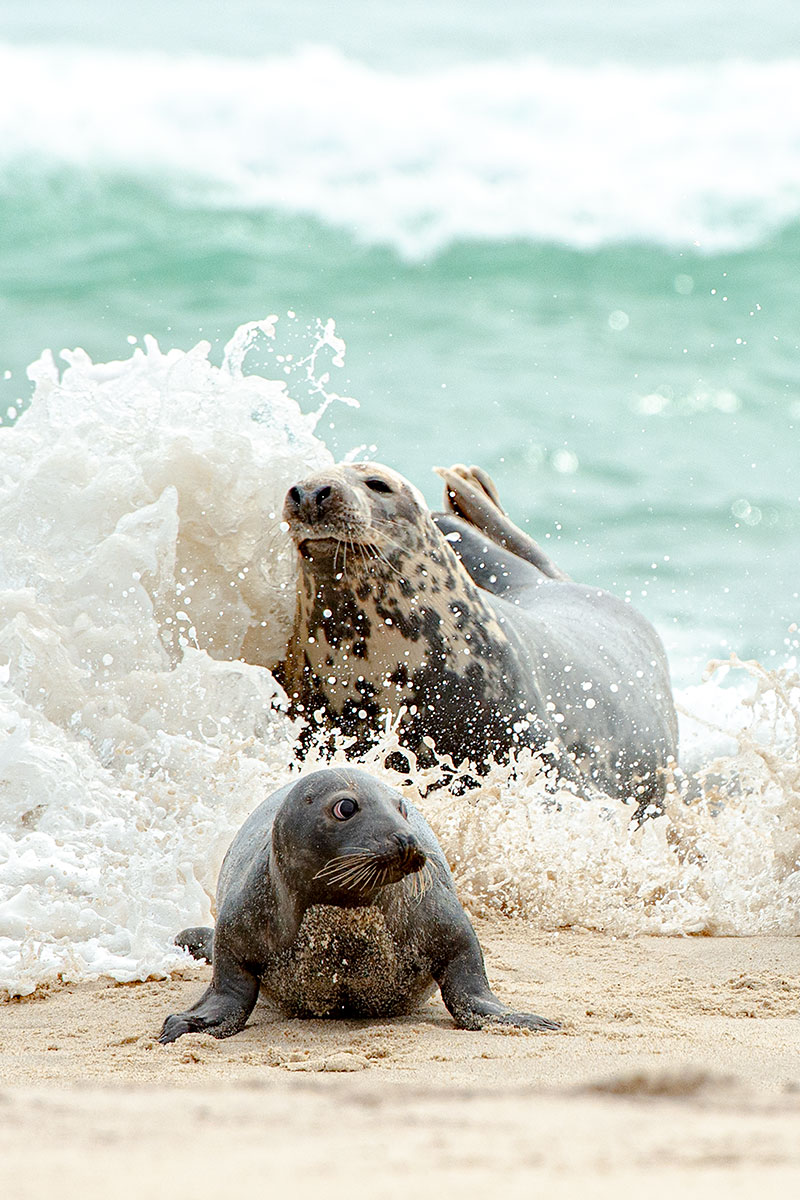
(309, 503)
(411, 857)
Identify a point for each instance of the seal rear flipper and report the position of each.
(223, 1008)
(468, 997)
(477, 479)
(198, 940)
(471, 494)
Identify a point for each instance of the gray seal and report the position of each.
(460, 624)
(336, 900)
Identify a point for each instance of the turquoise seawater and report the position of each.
(561, 244)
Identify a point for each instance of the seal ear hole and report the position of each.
(378, 485)
(403, 810)
(345, 808)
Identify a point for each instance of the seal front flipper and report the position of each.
(199, 941)
(223, 1008)
(465, 988)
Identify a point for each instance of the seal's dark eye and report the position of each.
(344, 809)
(378, 485)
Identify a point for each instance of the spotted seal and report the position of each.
(460, 623)
(336, 900)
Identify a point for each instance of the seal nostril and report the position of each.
(410, 852)
(322, 494)
(295, 496)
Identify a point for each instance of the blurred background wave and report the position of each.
(563, 244)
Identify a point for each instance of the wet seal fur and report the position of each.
(462, 624)
(336, 900)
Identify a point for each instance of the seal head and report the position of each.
(344, 844)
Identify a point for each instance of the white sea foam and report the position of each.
(142, 561)
(140, 502)
(724, 859)
(527, 149)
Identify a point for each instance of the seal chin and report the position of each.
(326, 547)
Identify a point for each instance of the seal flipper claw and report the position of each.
(524, 1021)
(488, 484)
(178, 1024)
(477, 478)
(476, 1013)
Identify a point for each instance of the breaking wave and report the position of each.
(146, 587)
(698, 155)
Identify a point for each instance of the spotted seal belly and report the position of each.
(460, 625)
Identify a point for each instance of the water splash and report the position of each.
(145, 589)
(140, 503)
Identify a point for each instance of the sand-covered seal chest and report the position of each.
(346, 962)
(336, 899)
(461, 625)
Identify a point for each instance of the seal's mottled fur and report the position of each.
(480, 649)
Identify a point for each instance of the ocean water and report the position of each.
(561, 245)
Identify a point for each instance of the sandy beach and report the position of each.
(678, 1067)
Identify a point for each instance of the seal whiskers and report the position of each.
(344, 868)
(363, 870)
(420, 882)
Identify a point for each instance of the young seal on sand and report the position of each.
(463, 623)
(335, 898)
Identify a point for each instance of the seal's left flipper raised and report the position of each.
(477, 479)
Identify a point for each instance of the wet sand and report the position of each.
(678, 1067)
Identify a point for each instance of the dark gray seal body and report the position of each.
(336, 900)
(462, 624)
